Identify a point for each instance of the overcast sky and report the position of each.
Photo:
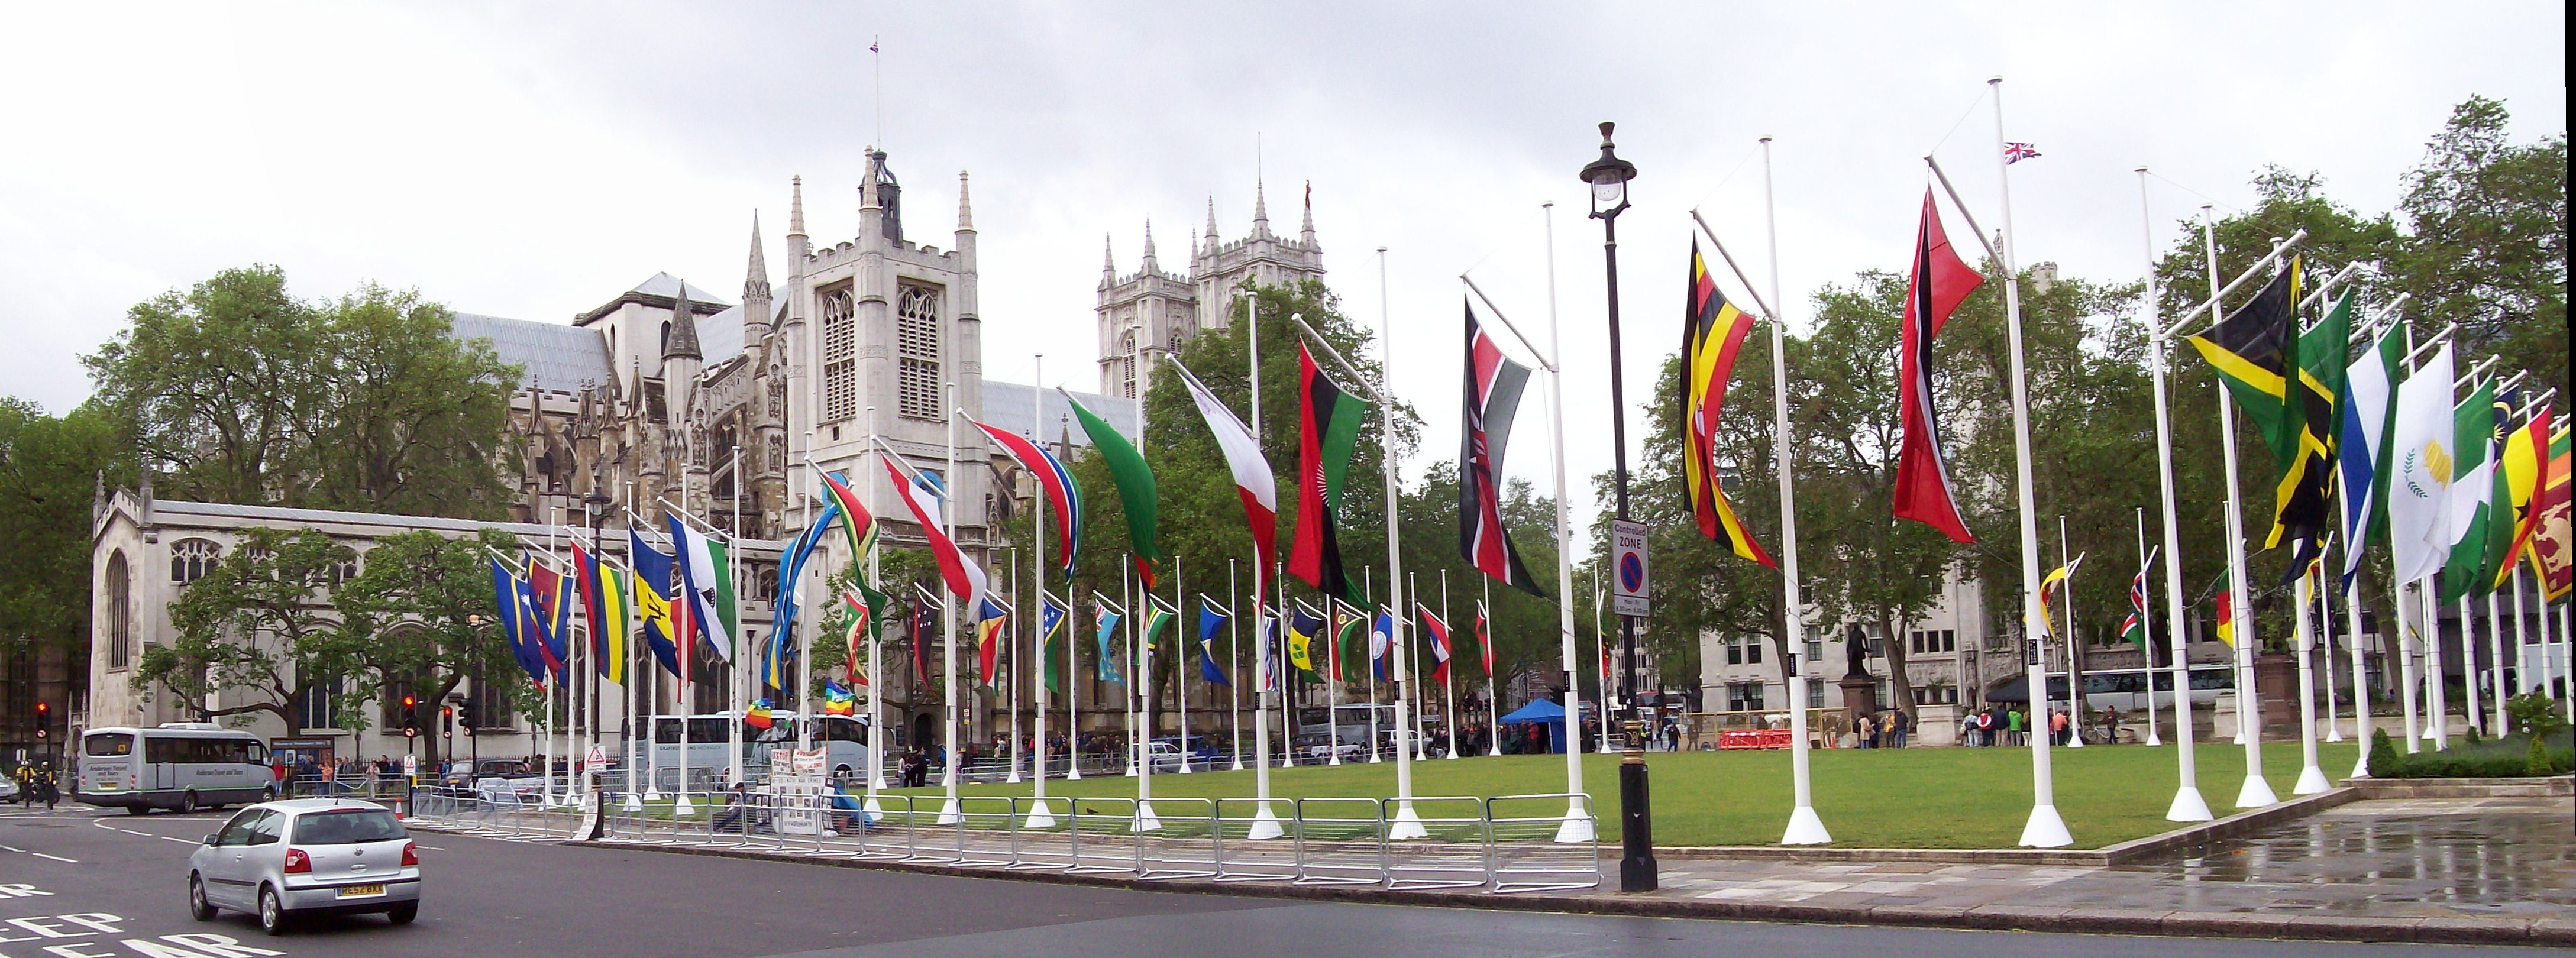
(534, 160)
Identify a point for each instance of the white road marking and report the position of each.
(58, 858)
(184, 841)
(130, 831)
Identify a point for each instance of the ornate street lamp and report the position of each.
(1609, 178)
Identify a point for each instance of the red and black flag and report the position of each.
(1491, 396)
(1938, 282)
(1711, 334)
(1328, 433)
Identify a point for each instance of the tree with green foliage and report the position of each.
(2486, 243)
(245, 394)
(258, 627)
(420, 619)
(50, 467)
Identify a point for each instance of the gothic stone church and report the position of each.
(666, 398)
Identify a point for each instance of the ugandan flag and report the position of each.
(1328, 432)
(1711, 335)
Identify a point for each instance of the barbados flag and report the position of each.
(653, 601)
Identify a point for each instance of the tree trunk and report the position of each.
(1899, 686)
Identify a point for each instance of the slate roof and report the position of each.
(558, 358)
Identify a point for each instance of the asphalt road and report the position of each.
(78, 883)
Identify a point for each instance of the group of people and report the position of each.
(38, 783)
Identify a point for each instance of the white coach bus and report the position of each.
(180, 766)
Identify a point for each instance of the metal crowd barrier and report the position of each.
(1501, 844)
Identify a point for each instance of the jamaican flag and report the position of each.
(2252, 352)
(1328, 431)
(2303, 502)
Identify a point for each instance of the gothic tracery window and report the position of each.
(191, 558)
(840, 357)
(917, 353)
(120, 613)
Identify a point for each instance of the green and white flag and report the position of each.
(2472, 485)
(712, 611)
(1135, 484)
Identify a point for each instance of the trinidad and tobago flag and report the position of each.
(1937, 283)
(1491, 395)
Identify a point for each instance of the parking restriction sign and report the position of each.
(1628, 568)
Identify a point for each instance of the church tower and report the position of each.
(1150, 312)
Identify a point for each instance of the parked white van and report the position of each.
(180, 766)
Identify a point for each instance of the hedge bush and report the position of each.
(2514, 756)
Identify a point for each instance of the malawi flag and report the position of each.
(1135, 484)
(1491, 395)
(1934, 287)
(1711, 335)
(1253, 482)
(1328, 432)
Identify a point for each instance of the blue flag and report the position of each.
(518, 625)
(1108, 658)
(1210, 620)
(653, 600)
(1382, 643)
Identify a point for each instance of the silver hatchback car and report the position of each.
(307, 856)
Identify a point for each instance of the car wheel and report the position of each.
(137, 810)
(272, 913)
(187, 803)
(198, 907)
(403, 914)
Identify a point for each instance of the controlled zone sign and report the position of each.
(1628, 567)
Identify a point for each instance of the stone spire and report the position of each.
(755, 279)
(683, 341)
(1211, 224)
(1306, 234)
(1149, 246)
(1108, 263)
(965, 214)
(796, 206)
(1260, 210)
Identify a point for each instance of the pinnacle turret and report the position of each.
(796, 206)
(1149, 246)
(965, 214)
(1260, 210)
(1306, 233)
(755, 279)
(683, 341)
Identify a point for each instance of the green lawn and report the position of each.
(1868, 798)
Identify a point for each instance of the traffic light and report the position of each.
(410, 715)
(447, 722)
(44, 720)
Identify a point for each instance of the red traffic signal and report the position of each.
(408, 701)
(44, 708)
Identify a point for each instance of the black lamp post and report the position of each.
(1609, 178)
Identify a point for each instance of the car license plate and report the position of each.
(361, 891)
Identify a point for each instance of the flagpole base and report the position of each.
(1039, 816)
(2188, 806)
(652, 794)
(1805, 828)
(1265, 825)
(631, 804)
(2045, 829)
(949, 813)
(1407, 825)
(873, 809)
(1238, 764)
(1577, 827)
(682, 808)
(1073, 774)
(1013, 778)
(1145, 820)
(2361, 766)
(2311, 781)
(2075, 740)
(2257, 793)
(1185, 768)
(2334, 733)
(2152, 740)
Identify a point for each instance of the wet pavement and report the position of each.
(2397, 858)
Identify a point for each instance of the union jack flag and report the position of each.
(2016, 152)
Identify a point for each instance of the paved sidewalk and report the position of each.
(2488, 870)
(2457, 870)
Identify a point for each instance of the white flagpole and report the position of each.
(2146, 626)
(2495, 645)
(877, 679)
(2407, 652)
(2074, 679)
(1127, 600)
(1600, 668)
(1140, 687)
(1039, 816)
(2256, 793)
(1011, 663)
(1181, 660)
(2325, 644)
(2360, 671)
(1449, 706)
(2044, 829)
(738, 669)
(1368, 672)
(2188, 806)
(2436, 708)
(2312, 779)
(2534, 672)
(1578, 826)
(2469, 676)
(1493, 694)
(1804, 827)
(546, 785)
(1234, 668)
(950, 709)
(1413, 588)
(1407, 823)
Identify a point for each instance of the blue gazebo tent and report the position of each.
(1542, 710)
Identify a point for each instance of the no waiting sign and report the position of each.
(1628, 578)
